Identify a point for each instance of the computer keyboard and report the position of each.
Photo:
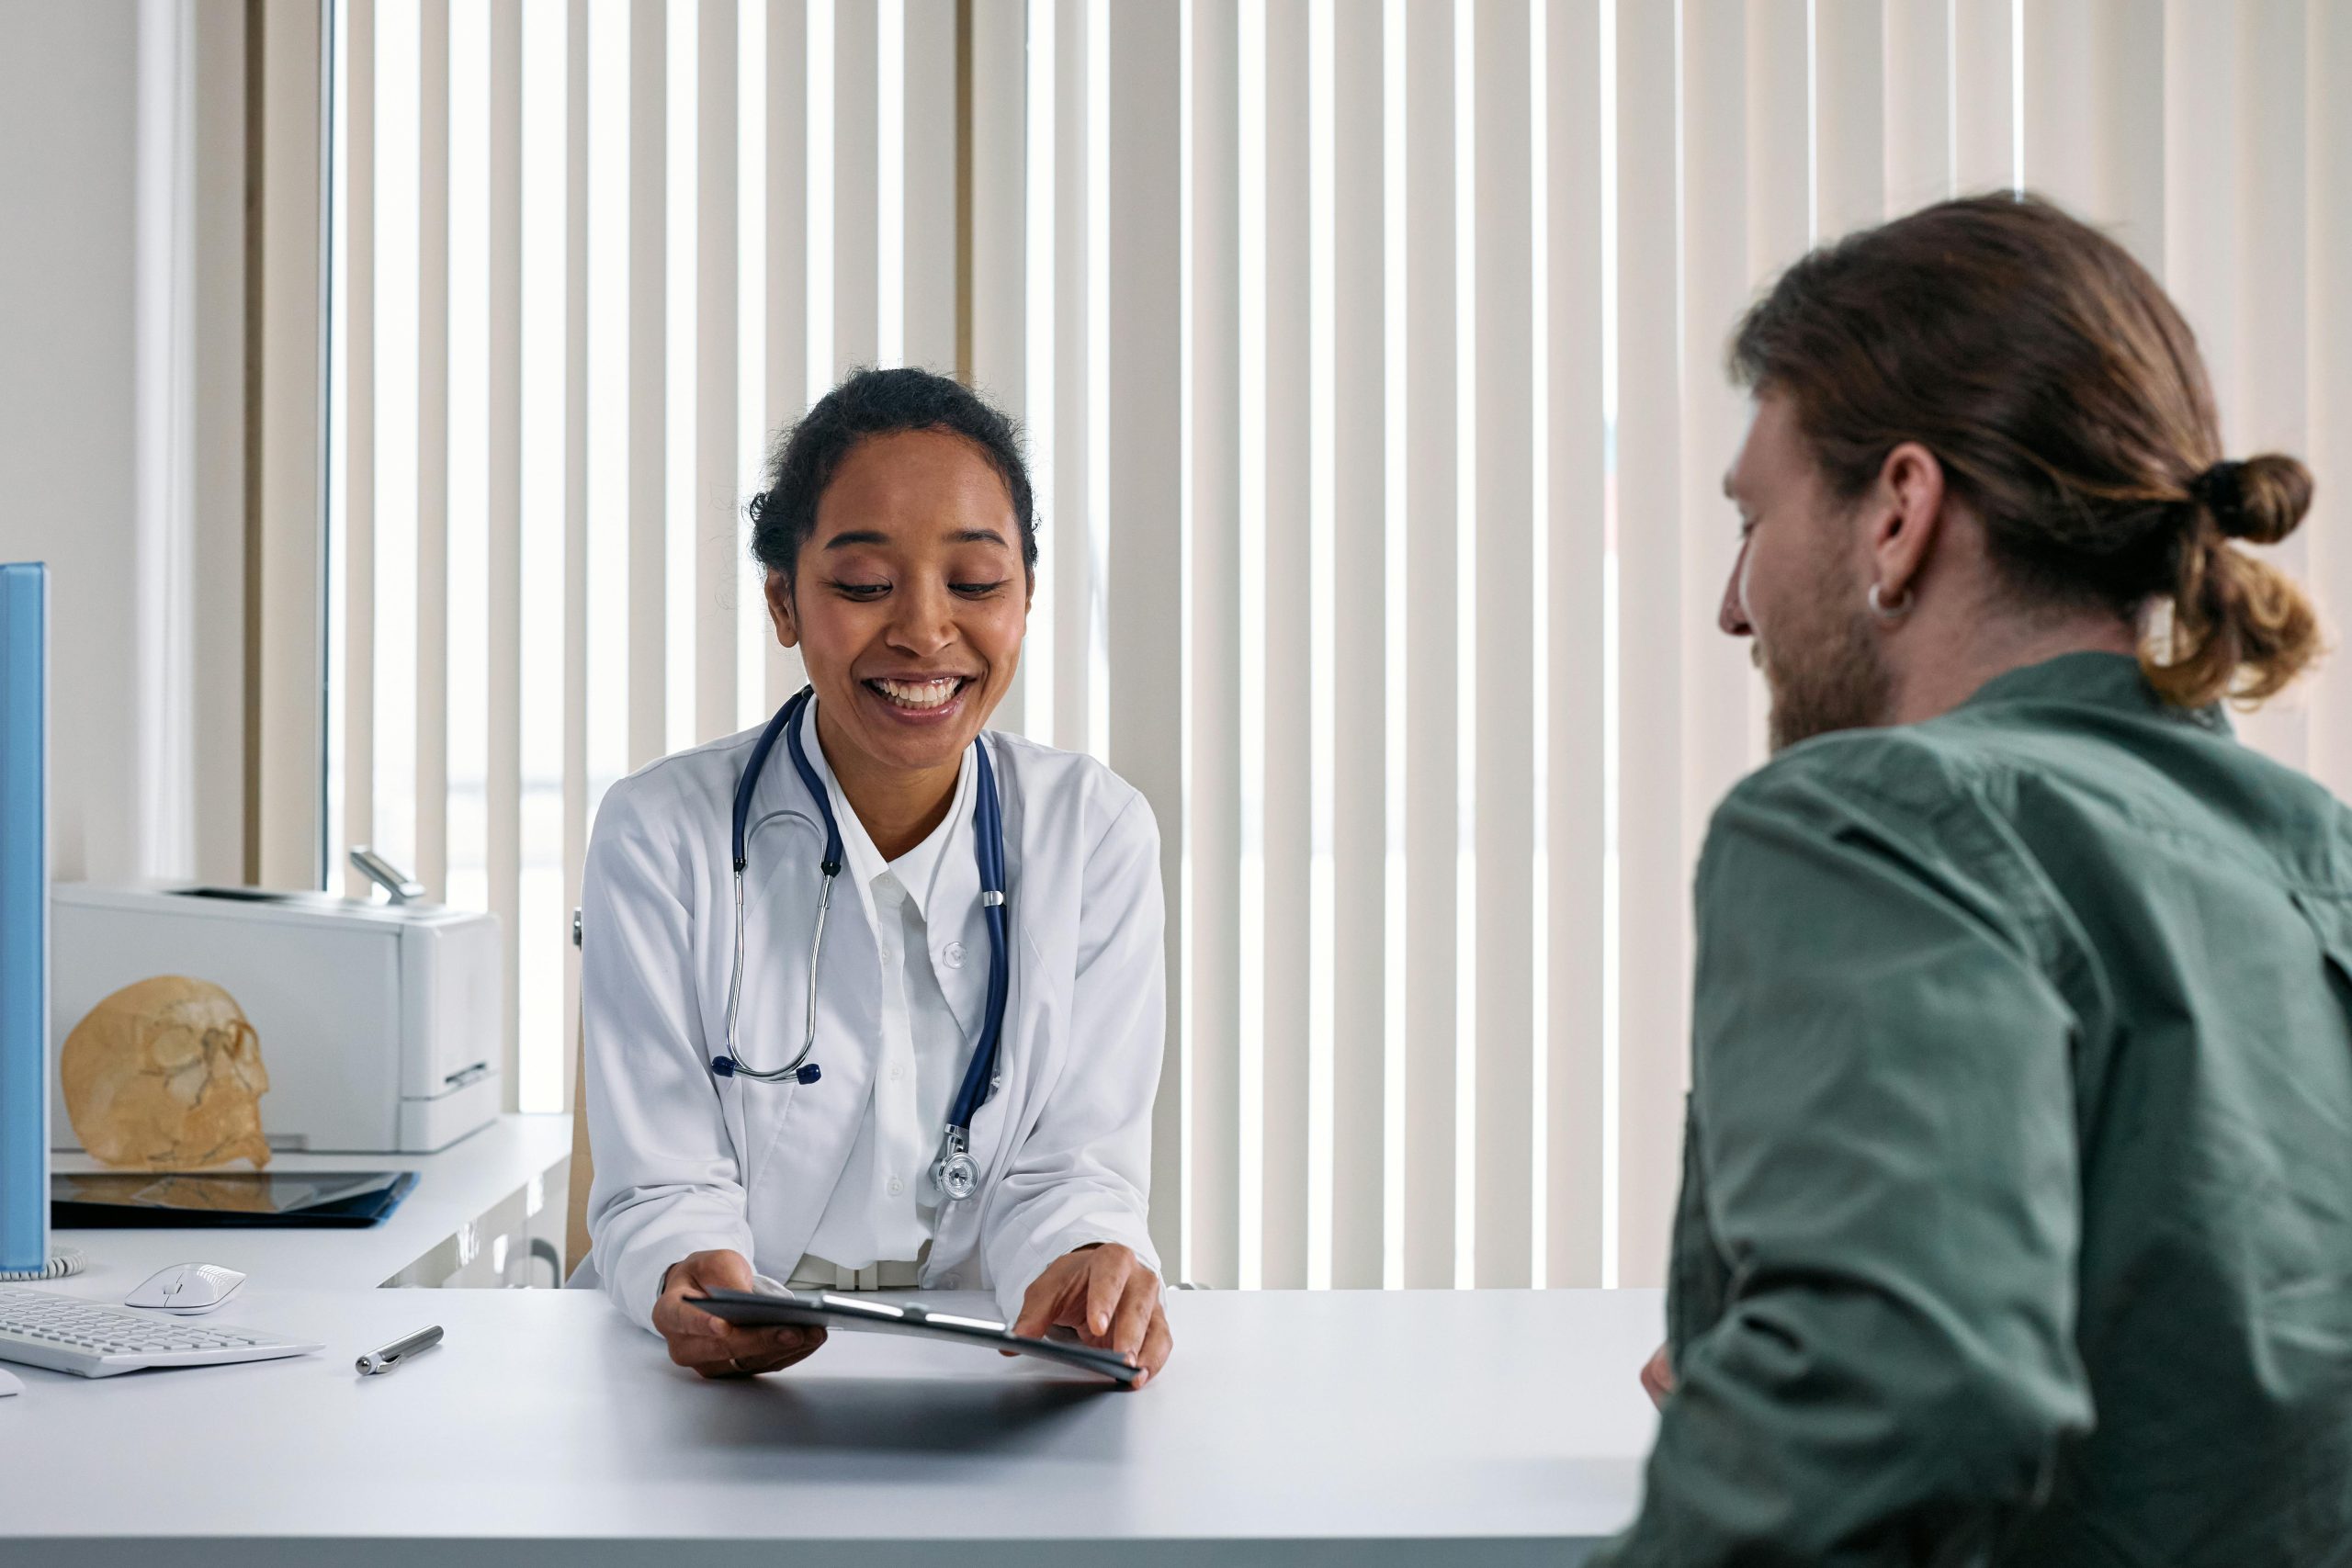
(97, 1339)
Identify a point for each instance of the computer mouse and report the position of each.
(187, 1288)
(10, 1384)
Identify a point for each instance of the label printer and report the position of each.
(381, 1025)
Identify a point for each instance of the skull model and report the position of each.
(166, 1075)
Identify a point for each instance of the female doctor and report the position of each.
(959, 1093)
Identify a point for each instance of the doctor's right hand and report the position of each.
(713, 1347)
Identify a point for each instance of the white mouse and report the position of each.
(187, 1288)
(10, 1384)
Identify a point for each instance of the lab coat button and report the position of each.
(954, 953)
(949, 1282)
(897, 1186)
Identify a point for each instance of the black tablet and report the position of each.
(113, 1199)
(834, 1312)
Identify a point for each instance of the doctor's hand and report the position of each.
(712, 1346)
(1657, 1377)
(1104, 1292)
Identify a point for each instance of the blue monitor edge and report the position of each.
(24, 917)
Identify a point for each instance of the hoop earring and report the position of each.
(1886, 611)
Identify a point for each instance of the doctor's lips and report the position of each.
(922, 694)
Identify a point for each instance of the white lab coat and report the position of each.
(686, 1161)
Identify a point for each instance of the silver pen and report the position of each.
(399, 1351)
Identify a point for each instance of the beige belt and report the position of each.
(814, 1273)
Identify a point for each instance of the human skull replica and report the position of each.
(166, 1075)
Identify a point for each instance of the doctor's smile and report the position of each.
(801, 1081)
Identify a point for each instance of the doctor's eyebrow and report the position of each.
(869, 537)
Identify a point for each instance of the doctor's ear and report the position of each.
(778, 588)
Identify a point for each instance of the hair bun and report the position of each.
(2261, 500)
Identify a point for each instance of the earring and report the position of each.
(1886, 611)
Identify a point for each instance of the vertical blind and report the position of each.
(1370, 359)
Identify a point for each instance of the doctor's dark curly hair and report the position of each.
(870, 403)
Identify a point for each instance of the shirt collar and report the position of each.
(917, 871)
(2111, 681)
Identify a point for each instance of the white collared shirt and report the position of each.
(884, 1207)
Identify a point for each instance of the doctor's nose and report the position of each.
(924, 621)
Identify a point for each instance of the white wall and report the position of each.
(68, 139)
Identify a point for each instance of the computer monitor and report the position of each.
(24, 919)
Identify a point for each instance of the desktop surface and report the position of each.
(1353, 1427)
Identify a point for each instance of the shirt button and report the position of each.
(954, 953)
(948, 1282)
(897, 1073)
(896, 1187)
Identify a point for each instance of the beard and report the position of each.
(1825, 675)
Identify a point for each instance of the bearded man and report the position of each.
(2016, 1218)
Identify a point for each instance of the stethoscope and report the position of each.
(955, 1172)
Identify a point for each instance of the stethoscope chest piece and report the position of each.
(958, 1176)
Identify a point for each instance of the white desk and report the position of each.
(1356, 1427)
(504, 1181)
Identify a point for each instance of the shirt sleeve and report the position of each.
(1884, 1119)
(1084, 1172)
(666, 1183)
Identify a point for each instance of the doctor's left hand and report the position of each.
(1104, 1292)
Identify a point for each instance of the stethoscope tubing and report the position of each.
(954, 1169)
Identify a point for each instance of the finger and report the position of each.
(794, 1342)
(1136, 1309)
(1105, 1281)
(1158, 1343)
(1041, 1304)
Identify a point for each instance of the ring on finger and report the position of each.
(737, 1365)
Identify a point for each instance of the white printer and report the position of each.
(381, 1025)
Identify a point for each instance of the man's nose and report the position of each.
(1733, 617)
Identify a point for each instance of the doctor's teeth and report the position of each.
(918, 694)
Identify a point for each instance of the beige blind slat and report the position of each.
(1919, 103)
(1433, 822)
(1359, 889)
(857, 79)
(1213, 781)
(1144, 364)
(1849, 63)
(433, 453)
(575, 525)
(1787, 195)
(1983, 96)
(648, 367)
(1278, 522)
(1000, 323)
(1653, 938)
(2094, 115)
(1502, 647)
(359, 447)
(2327, 180)
(928, 310)
(788, 393)
(718, 530)
(1745, 194)
(503, 782)
(1573, 518)
(1070, 536)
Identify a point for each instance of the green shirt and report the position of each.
(2016, 1225)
